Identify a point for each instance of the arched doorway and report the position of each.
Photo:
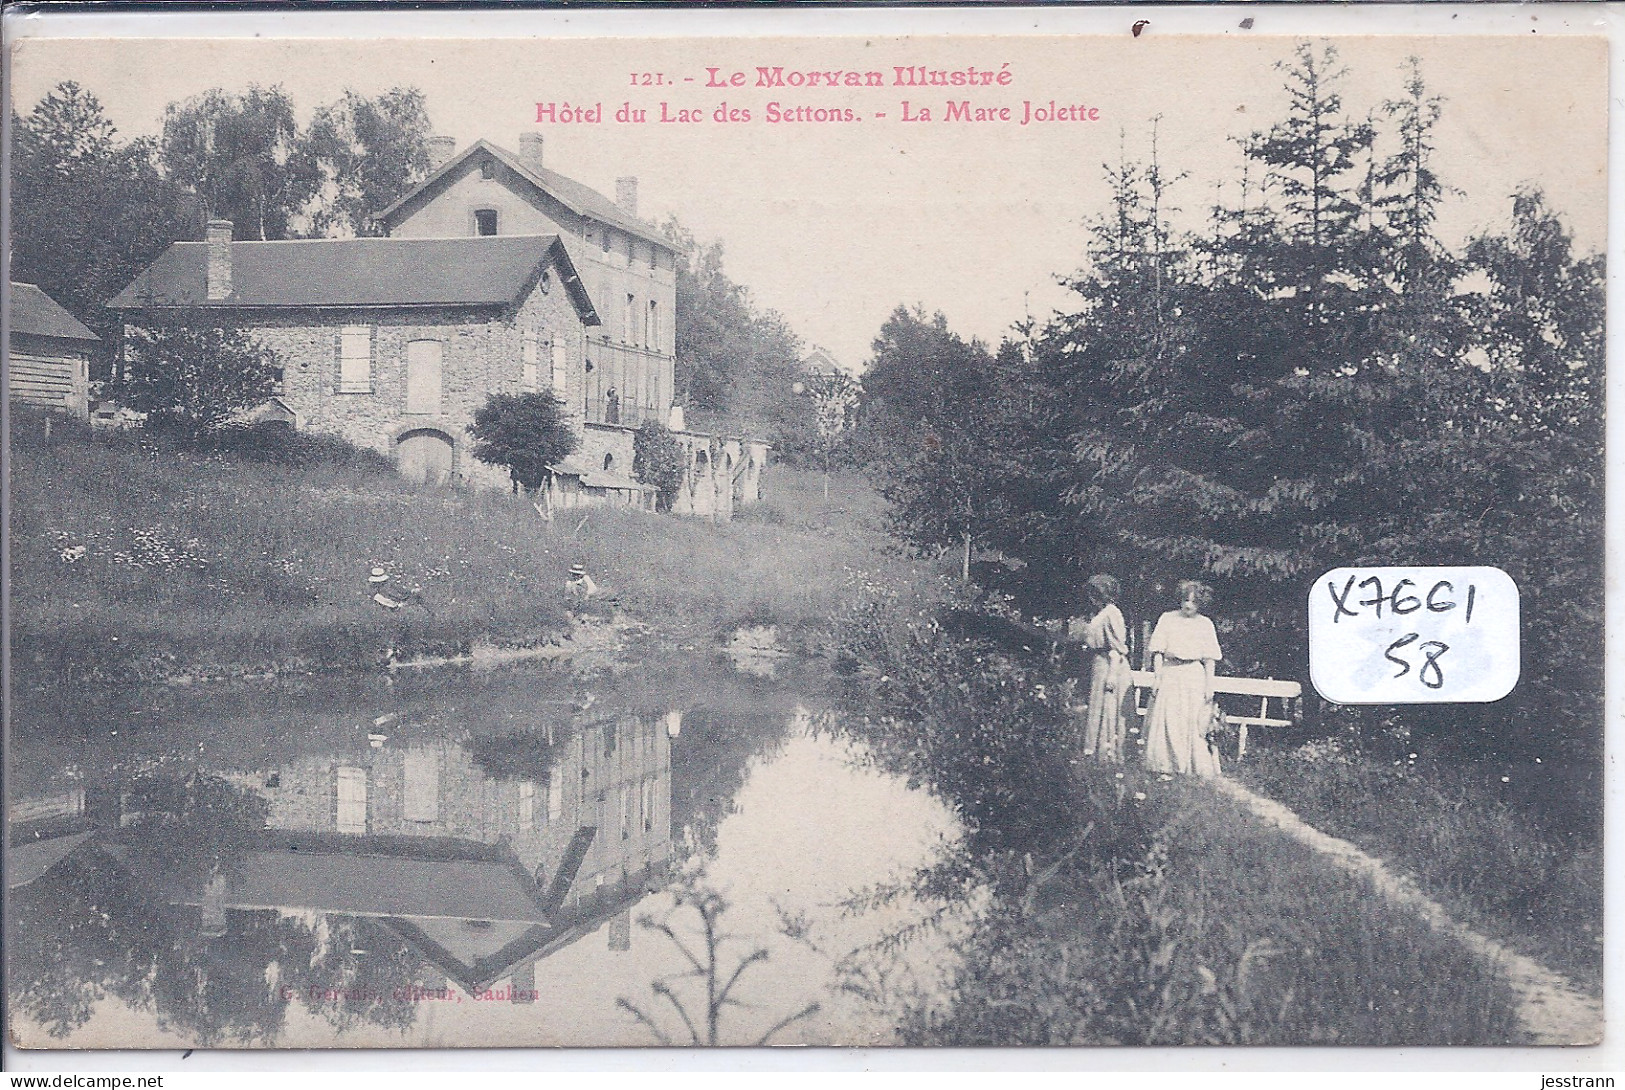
(424, 456)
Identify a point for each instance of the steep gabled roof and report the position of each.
(360, 272)
(32, 860)
(581, 199)
(356, 884)
(819, 361)
(35, 313)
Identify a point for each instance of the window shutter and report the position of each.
(423, 375)
(355, 359)
(530, 370)
(560, 378)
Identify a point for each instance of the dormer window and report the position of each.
(485, 221)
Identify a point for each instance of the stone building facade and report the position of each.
(392, 344)
(593, 831)
(628, 267)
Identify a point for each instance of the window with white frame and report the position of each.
(530, 369)
(355, 359)
(651, 326)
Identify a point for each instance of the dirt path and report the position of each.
(1553, 1011)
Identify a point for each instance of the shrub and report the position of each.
(526, 433)
(278, 444)
(991, 733)
(191, 371)
(657, 459)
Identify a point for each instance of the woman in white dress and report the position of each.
(1106, 637)
(1184, 648)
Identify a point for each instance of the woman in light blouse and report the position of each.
(1184, 648)
(1106, 637)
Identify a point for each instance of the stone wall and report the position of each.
(482, 353)
(720, 474)
(614, 264)
(599, 440)
(612, 773)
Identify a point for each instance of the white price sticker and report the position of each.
(1414, 635)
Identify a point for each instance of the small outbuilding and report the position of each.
(48, 353)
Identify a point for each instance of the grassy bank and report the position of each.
(1128, 908)
(1506, 869)
(1224, 932)
(130, 557)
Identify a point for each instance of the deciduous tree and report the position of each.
(736, 364)
(242, 155)
(367, 152)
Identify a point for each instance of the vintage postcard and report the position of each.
(906, 536)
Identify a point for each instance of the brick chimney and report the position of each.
(441, 149)
(218, 237)
(626, 195)
(530, 150)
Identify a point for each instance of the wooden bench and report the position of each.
(1266, 689)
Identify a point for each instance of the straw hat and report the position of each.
(378, 576)
(578, 571)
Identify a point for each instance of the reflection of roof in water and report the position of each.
(476, 917)
(30, 861)
(355, 884)
(533, 945)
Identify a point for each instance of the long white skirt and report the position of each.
(1177, 724)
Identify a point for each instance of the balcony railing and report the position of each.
(601, 410)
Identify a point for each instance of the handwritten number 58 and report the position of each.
(1432, 650)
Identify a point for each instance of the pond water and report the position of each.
(520, 856)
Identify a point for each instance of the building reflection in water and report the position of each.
(467, 862)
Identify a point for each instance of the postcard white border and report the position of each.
(1267, 19)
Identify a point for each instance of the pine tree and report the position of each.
(87, 212)
(1312, 158)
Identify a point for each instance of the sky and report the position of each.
(834, 224)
